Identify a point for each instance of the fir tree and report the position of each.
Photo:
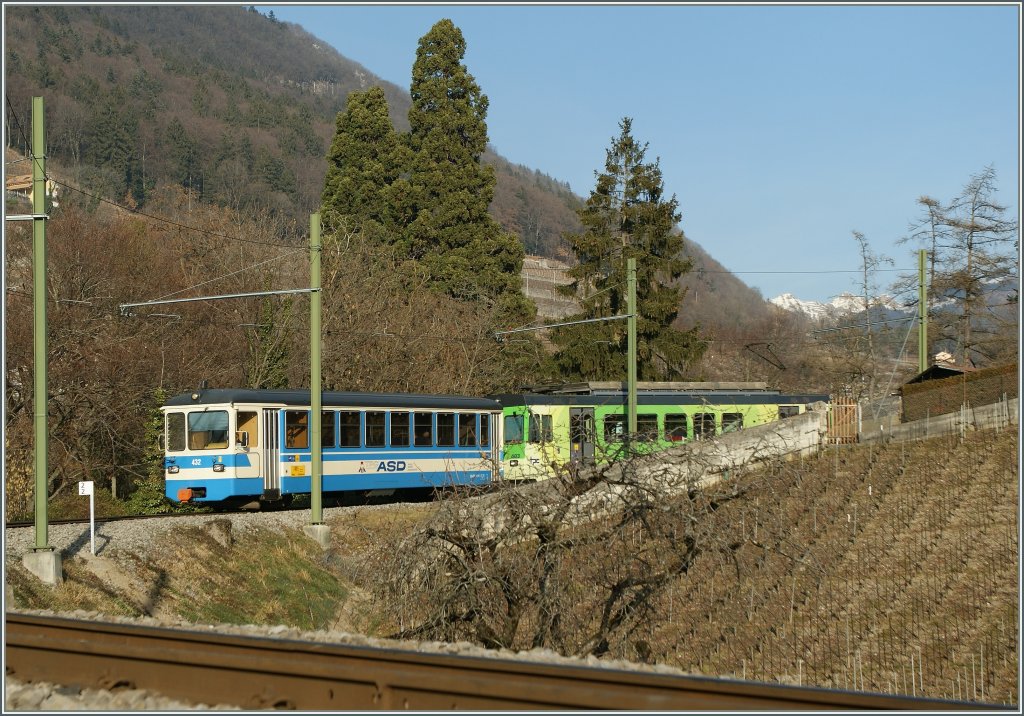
(627, 216)
(466, 252)
(365, 166)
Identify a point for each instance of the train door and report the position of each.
(247, 444)
(493, 426)
(581, 435)
(271, 454)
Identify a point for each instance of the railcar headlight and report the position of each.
(218, 467)
(173, 469)
(513, 463)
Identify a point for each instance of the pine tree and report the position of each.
(467, 253)
(627, 216)
(365, 166)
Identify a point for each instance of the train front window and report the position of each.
(208, 430)
(467, 430)
(175, 432)
(514, 428)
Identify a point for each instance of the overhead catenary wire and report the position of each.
(171, 222)
(233, 273)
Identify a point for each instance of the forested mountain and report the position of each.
(239, 109)
(236, 106)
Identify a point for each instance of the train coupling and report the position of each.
(187, 494)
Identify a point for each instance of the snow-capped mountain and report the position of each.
(997, 293)
(841, 305)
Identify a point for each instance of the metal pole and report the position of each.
(315, 397)
(922, 314)
(39, 346)
(631, 343)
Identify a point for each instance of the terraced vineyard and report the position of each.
(888, 568)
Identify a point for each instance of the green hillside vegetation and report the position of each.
(885, 567)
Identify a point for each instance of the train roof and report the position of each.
(682, 397)
(220, 396)
(611, 387)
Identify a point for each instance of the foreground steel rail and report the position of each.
(258, 673)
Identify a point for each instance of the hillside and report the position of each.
(223, 100)
(239, 109)
(882, 567)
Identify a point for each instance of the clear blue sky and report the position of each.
(779, 128)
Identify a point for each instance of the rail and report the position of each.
(260, 673)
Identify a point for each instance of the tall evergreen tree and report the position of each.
(366, 161)
(465, 250)
(627, 216)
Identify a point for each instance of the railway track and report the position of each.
(263, 673)
(330, 500)
(20, 524)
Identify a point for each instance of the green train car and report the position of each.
(587, 422)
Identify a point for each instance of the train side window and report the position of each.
(348, 420)
(703, 425)
(175, 432)
(327, 429)
(675, 427)
(485, 430)
(467, 429)
(208, 430)
(399, 429)
(647, 427)
(614, 428)
(788, 411)
(424, 429)
(446, 429)
(514, 428)
(296, 429)
(375, 432)
(731, 422)
(247, 423)
(540, 428)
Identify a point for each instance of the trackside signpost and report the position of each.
(85, 488)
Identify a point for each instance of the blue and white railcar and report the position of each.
(240, 445)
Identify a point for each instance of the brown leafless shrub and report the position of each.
(574, 564)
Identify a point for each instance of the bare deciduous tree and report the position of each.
(575, 564)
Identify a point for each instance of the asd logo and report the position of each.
(391, 466)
